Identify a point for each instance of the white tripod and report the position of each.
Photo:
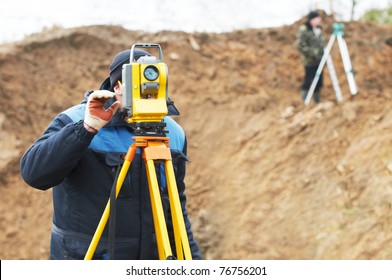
(337, 34)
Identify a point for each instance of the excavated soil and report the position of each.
(270, 178)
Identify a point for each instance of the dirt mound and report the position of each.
(269, 178)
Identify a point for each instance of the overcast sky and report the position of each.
(22, 17)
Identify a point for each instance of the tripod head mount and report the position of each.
(154, 129)
(338, 29)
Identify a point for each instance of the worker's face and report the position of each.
(118, 93)
(315, 21)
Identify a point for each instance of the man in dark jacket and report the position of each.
(310, 43)
(78, 156)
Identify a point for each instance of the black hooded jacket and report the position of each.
(80, 168)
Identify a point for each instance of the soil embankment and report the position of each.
(269, 178)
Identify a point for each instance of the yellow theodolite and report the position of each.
(145, 87)
(145, 95)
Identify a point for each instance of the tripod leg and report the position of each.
(163, 243)
(319, 70)
(347, 65)
(180, 235)
(105, 216)
(334, 78)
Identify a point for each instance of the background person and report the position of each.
(310, 42)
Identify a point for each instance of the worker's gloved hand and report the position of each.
(96, 116)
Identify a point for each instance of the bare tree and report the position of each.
(331, 10)
(337, 13)
(354, 4)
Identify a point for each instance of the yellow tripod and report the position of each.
(153, 148)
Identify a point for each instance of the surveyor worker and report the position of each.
(78, 157)
(310, 42)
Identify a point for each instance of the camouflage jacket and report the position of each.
(310, 44)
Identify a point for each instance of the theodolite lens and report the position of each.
(151, 73)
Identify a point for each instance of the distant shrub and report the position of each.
(378, 15)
